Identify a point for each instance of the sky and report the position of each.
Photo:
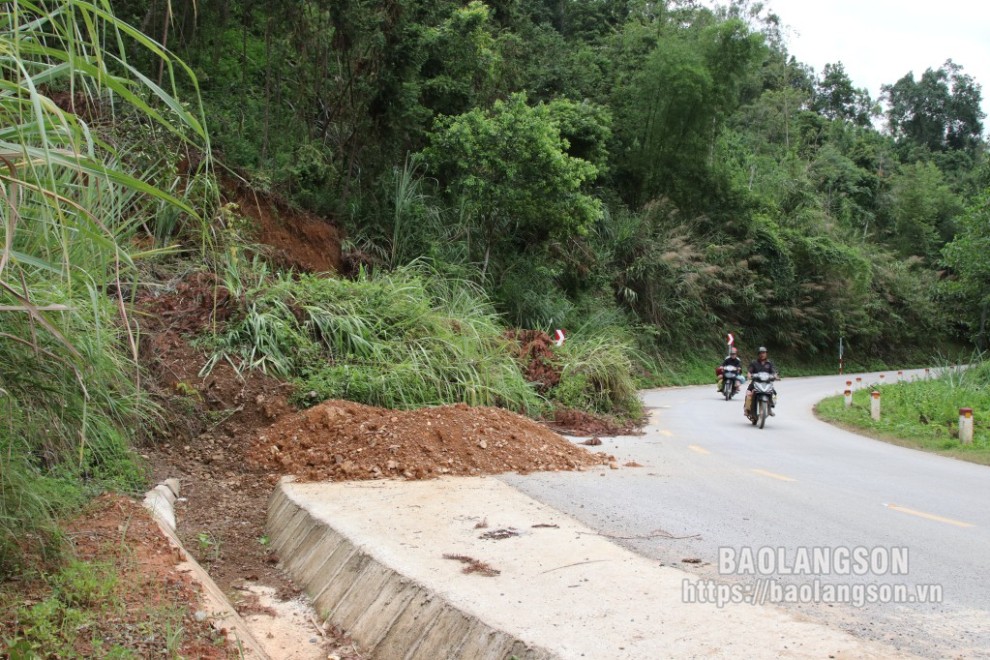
(880, 41)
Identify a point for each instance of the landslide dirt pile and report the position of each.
(533, 350)
(341, 440)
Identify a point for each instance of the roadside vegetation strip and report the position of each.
(75, 203)
(923, 414)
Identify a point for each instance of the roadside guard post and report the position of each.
(849, 397)
(875, 405)
(966, 425)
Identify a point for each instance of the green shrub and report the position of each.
(65, 418)
(402, 340)
(597, 374)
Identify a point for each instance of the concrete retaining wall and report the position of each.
(389, 615)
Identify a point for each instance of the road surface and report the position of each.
(713, 487)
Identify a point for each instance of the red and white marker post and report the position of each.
(966, 425)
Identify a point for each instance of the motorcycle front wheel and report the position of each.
(764, 411)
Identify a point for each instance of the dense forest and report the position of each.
(648, 175)
(656, 165)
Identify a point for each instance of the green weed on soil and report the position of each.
(923, 414)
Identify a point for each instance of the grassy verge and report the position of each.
(117, 597)
(923, 414)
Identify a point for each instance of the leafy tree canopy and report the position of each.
(941, 111)
(511, 171)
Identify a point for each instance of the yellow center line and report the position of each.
(773, 475)
(700, 450)
(666, 433)
(929, 516)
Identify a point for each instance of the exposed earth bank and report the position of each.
(229, 436)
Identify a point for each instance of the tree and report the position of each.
(836, 98)
(968, 255)
(941, 111)
(672, 109)
(461, 60)
(509, 170)
(923, 209)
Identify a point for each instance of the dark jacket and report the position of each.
(756, 367)
(733, 362)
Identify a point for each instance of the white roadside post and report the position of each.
(875, 405)
(881, 379)
(849, 397)
(859, 382)
(900, 376)
(966, 425)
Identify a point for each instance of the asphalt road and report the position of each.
(799, 488)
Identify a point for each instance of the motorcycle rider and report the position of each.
(761, 364)
(732, 360)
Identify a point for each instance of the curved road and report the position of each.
(711, 480)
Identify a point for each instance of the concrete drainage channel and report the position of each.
(391, 616)
(374, 559)
(160, 501)
(388, 614)
(280, 629)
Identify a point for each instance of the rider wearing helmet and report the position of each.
(732, 360)
(762, 364)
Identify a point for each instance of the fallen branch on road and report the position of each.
(652, 535)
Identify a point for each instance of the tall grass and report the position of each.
(70, 206)
(597, 374)
(401, 339)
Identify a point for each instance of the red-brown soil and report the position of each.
(577, 422)
(296, 238)
(341, 440)
(149, 592)
(534, 350)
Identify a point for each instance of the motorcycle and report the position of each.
(730, 377)
(761, 400)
